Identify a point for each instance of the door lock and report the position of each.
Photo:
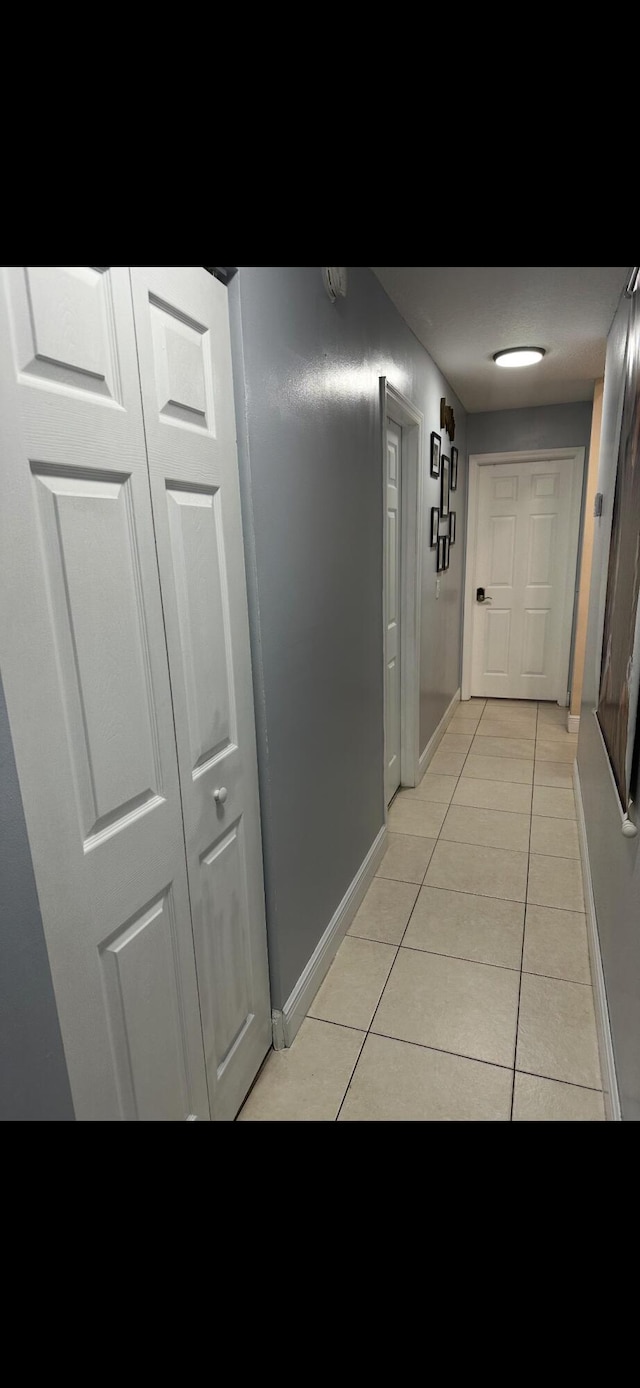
(481, 596)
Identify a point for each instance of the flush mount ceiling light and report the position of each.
(518, 356)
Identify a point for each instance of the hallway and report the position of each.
(462, 990)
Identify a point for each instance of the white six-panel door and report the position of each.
(392, 609)
(84, 665)
(526, 524)
(182, 328)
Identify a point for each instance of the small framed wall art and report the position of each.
(435, 519)
(445, 557)
(452, 528)
(454, 469)
(444, 485)
(440, 559)
(435, 455)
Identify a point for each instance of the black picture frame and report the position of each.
(452, 527)
(445, 564)
(440, 558)
(435, 525)
(444, 485)
(454, 470)
(436, 449)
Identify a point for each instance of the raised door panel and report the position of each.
(86, 678)
(185, 371)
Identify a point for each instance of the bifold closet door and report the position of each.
(84, 665)
(182, 330)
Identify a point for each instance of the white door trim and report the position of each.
(574, 457)
(404, 413)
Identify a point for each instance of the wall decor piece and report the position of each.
(440, 559)
(447, 420)
(435, 519)
(435, 455)
(620, 672)
(444, 487)
(454, 469)
(452, 527)
(445, 563)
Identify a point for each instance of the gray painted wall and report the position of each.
(615, 861)
(33, 1073)
(546, 426)
(307, 403)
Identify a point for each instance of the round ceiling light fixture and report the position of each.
(518, 356)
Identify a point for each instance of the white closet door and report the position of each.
(182, 329)
(85, 671)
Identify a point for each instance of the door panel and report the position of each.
(185, 370)
(523, 519)
(392, 614)
(85, 671)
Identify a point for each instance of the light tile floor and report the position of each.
(462, 990)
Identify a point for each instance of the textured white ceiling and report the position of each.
(463, 314)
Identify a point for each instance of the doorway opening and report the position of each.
(402, 455)
(521, 574)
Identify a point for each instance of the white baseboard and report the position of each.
(605, 1042)
(573, 722)
(287, 1022)
(432, 745)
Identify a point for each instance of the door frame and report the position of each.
(575, 459)
(396, 406)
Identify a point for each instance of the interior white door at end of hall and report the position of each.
(521, 582)
(135, 750)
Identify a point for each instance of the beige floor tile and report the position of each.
(483, 871)
(555, 944)
(352, 987)
(506, 727)
(550, 1101)
(457, 742)
(451, 1005)
(307, 1081)
(551, 714)
(463, 727)
(385, 911)
(490, 828)
(554, 731)
(556, 774)
(555, 882)
(398, 1082)
(520, 772)
(438, 788)
(473, 702)
(512, 705)
(478, 928)
(559, 804)
(553, 749)
(557, 837)
(447, 763)
(557, 1031)
(407, 858)
(416, 816)
(520, 747)
(493, 795)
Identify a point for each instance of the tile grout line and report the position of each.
(367, 1033)
(524, 933)
(440, 1050)
(420, 886)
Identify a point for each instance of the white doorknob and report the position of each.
(220, 795)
